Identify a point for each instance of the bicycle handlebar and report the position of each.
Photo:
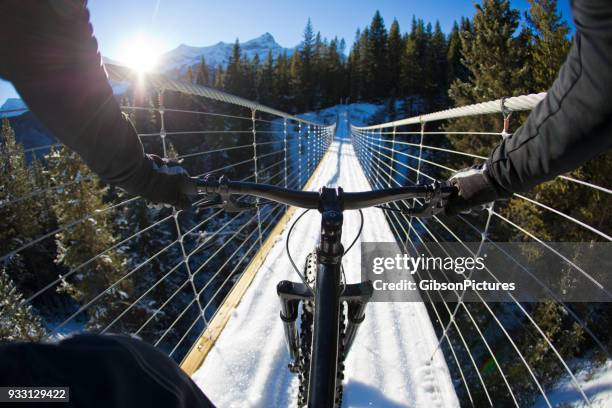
(434, 194)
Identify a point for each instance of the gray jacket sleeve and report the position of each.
(51, 56)
(573, 124)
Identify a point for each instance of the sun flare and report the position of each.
(141, 53)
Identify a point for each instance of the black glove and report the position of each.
(172, 184)
(475, 188)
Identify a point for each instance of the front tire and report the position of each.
(322, 354)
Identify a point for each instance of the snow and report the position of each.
(16, 107)
(185, 56)
(360, 112)
(388, 365)
(597, 385)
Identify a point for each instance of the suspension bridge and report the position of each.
(220, 319)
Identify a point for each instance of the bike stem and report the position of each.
(330, 248)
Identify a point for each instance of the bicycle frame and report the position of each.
(328, 297)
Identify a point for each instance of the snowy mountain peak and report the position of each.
(265, 38)
(184, 56)
(12, 107)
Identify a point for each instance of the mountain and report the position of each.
(12, 107)
(184, 56)
(31, 133)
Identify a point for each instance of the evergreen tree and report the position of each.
(396, 48)
(40, 182)
(265, 81)
(202, 74)
(495, 25)
(282, 83)
(23, 214)
(362, 46)
(412, 74)
(321, 70)
(249, 77)
(16, 183)
(297, 85)
(219, 79)
(308, 43)
(549, 45)
(376, 59)
(318, 71)
(80, 199)
(17, 320)
(455, 68)
(496, 59)
(354, 68)
(233, 75)
(332, 74)
(436, 82)
(306, 68)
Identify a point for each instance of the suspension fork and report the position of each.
(328, 297)
(290, 295)
(356, 295)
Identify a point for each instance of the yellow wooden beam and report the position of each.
(200, 349)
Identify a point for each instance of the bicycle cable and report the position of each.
(302, 277)
(348, 249)
(385, 208)
(358, 233)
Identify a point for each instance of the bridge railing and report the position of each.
(175, 267)
(479, 339)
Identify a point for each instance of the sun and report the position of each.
(141, 53)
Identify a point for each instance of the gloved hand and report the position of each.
(173, 184)
(475, 189)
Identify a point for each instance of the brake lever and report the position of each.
(425, 211)
(213, 202)
(226, 202)
(233, 205)
(434, 203)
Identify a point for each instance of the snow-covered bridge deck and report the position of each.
(389, 364)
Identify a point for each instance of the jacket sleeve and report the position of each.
(100, 371)
(574, 122)
(51, 56)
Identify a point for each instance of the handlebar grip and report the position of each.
(207, 184)
(448, 188)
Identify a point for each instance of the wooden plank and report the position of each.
(200, 349)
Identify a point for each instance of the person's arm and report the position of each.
(101, 371)
(51, 56)
(572, 125)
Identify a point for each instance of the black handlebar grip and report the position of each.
(207, 184)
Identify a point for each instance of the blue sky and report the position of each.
(205, 22)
